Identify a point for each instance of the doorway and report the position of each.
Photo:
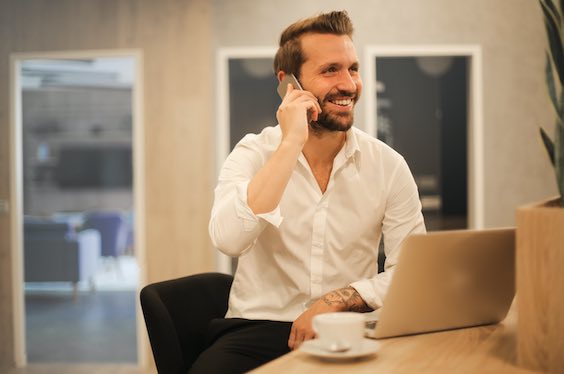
(77, 148)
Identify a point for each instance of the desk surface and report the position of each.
(478, 349)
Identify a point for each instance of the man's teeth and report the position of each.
(344, 102)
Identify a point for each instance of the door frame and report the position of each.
(475, 120)
(16, 187)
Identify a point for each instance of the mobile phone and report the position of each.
(283, 85)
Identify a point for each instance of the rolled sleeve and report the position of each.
(234, 227)
(373, 290)
(246, 214)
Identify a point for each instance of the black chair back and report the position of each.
(177, 313)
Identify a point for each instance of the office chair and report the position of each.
(177, 313)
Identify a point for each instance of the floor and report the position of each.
(97, 327)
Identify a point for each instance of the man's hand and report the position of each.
(341, 300)
(293, 114)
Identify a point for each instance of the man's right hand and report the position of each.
(293, 115)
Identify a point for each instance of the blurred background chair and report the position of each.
(53, 252)
(112, 226)
(177, 313)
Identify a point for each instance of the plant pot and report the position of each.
(540, 286)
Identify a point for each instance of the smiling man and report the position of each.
(304, 206)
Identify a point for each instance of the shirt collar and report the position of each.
(351, 144)
(350, 149)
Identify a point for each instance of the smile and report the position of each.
(342, 102)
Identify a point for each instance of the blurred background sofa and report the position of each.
(113, 229)
(54, 252)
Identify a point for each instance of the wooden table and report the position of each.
(475, 350)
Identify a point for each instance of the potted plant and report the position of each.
(540, 231)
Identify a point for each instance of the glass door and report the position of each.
(79, 257)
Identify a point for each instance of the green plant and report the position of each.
(554, 23)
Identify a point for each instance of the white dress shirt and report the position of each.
(313, 242)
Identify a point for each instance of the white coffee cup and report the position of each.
(339, 331)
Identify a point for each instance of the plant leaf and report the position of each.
(559, 119)
(549, 145)
(555, 42)
(553, 10)
(551, 86)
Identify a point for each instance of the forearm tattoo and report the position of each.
(348, 298)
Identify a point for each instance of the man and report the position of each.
(304, 205)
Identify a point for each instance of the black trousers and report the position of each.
(239, 345)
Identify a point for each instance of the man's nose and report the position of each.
(347, 82)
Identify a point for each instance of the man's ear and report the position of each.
(280, 75)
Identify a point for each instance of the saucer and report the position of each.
(313, 347)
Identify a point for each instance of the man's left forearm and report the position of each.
(341, 300)
(346, 299)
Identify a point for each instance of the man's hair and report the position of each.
(290, 57)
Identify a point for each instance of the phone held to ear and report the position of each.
(283, 85)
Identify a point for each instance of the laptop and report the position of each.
(447, 280)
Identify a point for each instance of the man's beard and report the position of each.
(333, 122)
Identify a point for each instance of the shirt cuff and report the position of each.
(365, 289)
(250, 219)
